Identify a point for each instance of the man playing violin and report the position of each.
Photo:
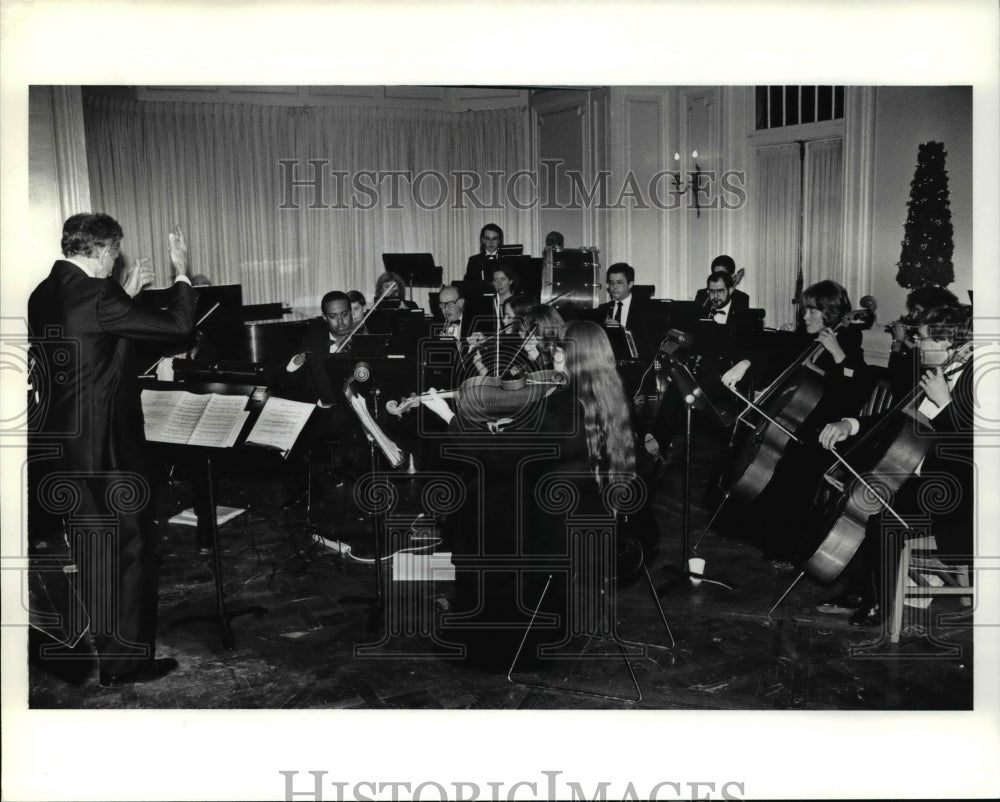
(944, 412)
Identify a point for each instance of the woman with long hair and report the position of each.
(596, 388)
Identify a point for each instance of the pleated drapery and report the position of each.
(216, 169)
(777, 200)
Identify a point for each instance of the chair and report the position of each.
(916, 559)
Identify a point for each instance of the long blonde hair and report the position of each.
(594, 378)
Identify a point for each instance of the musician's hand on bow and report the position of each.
(475, 339)
(436, 404)
(834, 433)
(829, 341)
(139, 274)
(935, 387)
(178, 251)
(736, 373)
(531, 347)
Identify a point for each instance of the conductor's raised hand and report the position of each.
(178, 251)
(138, 275)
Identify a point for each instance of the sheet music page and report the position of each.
(280, 423)
(183, 418)
(388, 447)
(217, 420)
(156, 408)
(238, 425)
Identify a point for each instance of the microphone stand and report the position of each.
(693, 397)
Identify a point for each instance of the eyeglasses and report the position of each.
(447, 304)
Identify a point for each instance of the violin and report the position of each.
(891, 450)
(777, 416)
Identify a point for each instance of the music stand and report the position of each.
(694, 398)
(417, 269)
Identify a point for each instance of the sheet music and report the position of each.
(280, 423)
(177, 416)
(156, 408)
(219, 417)
(184, 416)
(388, 447)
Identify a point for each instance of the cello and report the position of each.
(777, 416)
(888, 455)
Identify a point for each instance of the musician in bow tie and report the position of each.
(721, 297)
(479, 269)
(725, 264)
(452, 306)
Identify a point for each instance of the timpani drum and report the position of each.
(571, 278)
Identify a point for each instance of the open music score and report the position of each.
(177, 416)
(279, 425)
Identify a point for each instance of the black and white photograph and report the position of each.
(436, 420)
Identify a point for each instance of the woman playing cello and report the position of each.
(782, 505)
(941, 489)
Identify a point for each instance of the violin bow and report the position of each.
(194, 328)
(751, 405)
(868, 487)
(390, 287)
(519, 348)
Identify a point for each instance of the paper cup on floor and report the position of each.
(696, 567)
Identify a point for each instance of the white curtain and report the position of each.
(777, 201)
(824, 212)
(216, 170)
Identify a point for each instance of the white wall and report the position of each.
(906, 116)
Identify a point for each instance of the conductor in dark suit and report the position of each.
(82, 325)
(479, 269)
(726, 264)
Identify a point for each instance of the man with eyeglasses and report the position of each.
(453, 312)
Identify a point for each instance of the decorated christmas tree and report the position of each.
(928, 236)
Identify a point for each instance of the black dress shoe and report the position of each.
(147, 672)
(868, 616)
(845, 602)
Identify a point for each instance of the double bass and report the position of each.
(864, 480)
(777, 416)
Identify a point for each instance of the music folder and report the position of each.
(622, 342)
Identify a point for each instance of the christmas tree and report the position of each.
(928, 236)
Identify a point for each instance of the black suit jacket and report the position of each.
(641, 322)
(478, 273)
(740, 299)
(82, 329)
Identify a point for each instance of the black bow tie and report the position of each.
(718, 311)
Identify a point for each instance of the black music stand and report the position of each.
(256, 396)
(417, 269)
(694, 398)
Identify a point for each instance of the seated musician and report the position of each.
(358, 304)
(396, 299)
(671, 416)
(903, 363)
(779, 513)
(725, 264)
(328, 421)
(944, 413)
(581, 431)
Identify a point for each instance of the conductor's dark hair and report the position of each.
(727, 263)
(829, 298)
(330, 297)
(482, 233)
(85, 234)
(725, 278)
(622, 267)
(929, 297)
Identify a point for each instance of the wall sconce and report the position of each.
(695, 184)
